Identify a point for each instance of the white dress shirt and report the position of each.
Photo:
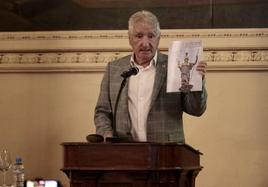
(140, 91)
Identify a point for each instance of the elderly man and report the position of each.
(146, 112)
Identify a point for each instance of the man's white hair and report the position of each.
(144, 16)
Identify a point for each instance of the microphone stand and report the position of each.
(115, 137)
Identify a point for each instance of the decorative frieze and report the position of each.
(59, 58)
(122, 34)
(237, 56)
(105, 57)
(228, 49)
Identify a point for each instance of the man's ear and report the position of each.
(129, 38)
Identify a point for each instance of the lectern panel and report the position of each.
(131, 164)
(108, 156)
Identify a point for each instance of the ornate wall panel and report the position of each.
(83, 51)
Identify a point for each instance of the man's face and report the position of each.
(144, 42)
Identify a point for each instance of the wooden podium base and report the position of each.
(131, 164)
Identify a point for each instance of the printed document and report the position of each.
(183, 57)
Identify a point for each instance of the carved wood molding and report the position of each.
(85, 51)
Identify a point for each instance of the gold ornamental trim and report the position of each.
(86, 51)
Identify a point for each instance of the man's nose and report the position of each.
(145, 41)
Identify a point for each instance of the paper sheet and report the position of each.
(183, 57)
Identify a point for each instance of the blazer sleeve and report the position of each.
(195, 103)
(103, 109)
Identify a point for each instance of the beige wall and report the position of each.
(233, 133)
(39, 111)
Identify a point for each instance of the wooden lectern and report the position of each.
(131, 164)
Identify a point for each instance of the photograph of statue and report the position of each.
(183, 58)
(186, 70)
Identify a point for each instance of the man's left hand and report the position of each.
(202, 68)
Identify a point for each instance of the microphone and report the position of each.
(131, 71)
(125, 75)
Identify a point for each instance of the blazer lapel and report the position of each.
(160, 75)
(124, 94)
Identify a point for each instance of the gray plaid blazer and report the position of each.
(164, 122)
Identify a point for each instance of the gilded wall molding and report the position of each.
(173, 34)
(85, 51)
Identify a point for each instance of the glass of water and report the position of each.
(5, 164)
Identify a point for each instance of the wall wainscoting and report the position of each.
(86, 51)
